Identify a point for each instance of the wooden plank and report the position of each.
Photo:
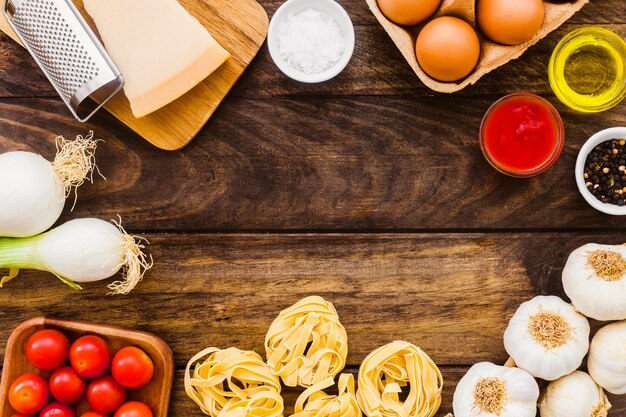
(451, 294)
(19, 75)
(377, 67)
(493, 55)
(182, 406)
(598, 11)
(363, 163)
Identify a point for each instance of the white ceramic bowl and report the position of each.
(296, 6)
(602, 136)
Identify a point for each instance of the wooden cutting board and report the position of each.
(240, 26)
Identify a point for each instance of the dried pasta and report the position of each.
(314, 402)
(385, 371)
(233, 383)
(306, 343)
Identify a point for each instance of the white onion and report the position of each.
(33, 190)
(32, 195)
(82, 250)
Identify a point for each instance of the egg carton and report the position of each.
(492, 55)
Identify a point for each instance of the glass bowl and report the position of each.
(549, 161)
(587, 70)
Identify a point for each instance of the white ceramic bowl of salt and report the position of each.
(311, 41)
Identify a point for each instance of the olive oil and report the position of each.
(588, 69)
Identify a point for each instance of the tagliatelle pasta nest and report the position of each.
(233, 383)
(314, 402)
(387, 370)
(306, 343)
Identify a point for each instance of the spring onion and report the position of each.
(33, 190)
(82, 250)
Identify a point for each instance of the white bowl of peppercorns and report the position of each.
(601, 171)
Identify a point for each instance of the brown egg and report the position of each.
(408, 12)
(510, 22)
(447, 48)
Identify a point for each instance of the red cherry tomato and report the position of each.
(132, 368)
(93, 414)
(57, 410)
(20, 415)
(105, 395)
(90, 356)
(28, 394)
(48, 349)
(66, 386)
(133, 409)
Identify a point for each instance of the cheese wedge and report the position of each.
(161, 50)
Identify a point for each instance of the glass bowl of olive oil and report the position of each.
(587, 69)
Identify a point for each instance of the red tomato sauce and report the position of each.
(522, 135)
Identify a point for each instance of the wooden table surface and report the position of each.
(369, 190)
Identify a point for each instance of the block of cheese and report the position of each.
(161, 50)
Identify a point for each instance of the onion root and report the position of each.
(135, 262)
(75, 162)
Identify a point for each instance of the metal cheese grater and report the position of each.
(68, 52)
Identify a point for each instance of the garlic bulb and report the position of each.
(607, 358)
(574, 395)
(594, 279)
(489, 389)
(547, 337)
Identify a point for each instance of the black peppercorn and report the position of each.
(605, 172)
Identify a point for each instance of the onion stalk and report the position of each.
(33, 190)
(81, 250)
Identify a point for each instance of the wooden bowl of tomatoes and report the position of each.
(71, 369)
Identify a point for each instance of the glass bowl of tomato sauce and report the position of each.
(522, 135)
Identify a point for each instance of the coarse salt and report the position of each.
(310, 41)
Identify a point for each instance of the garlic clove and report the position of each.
(522, 409)
(594, 278)
(523, 385)
(607, 358)
(463, 401)
(547, 337)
